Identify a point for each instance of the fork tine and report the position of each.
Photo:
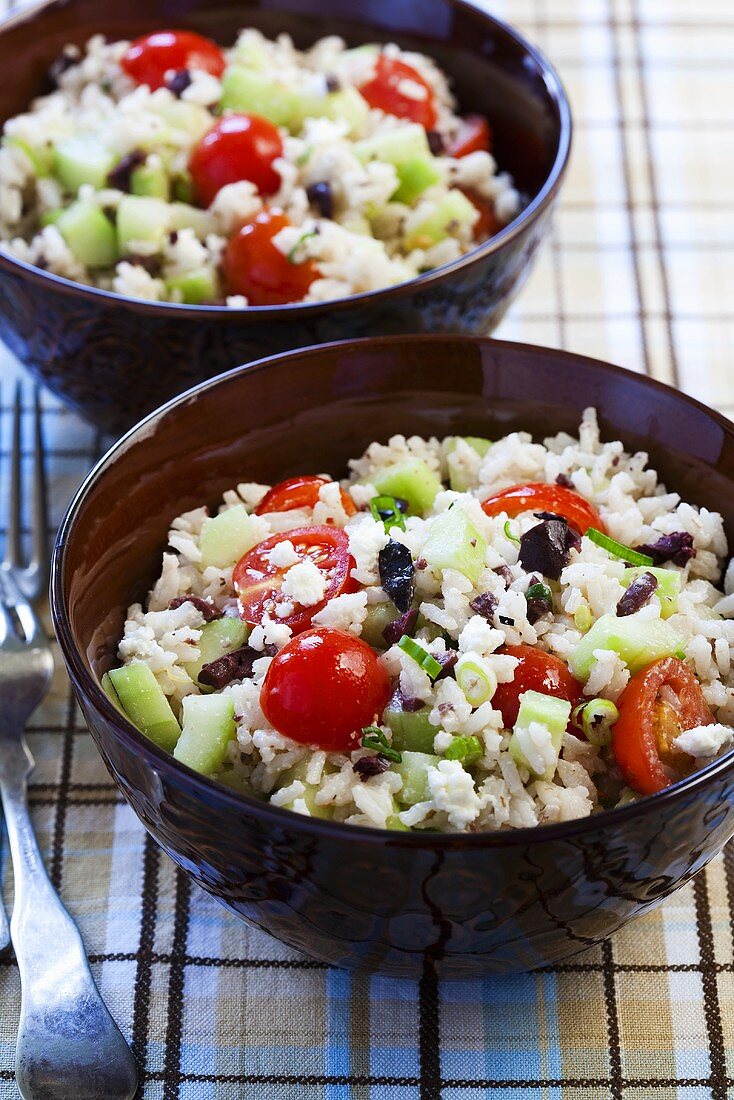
(7, 626)
(11, 597)
(13, 552)
(39, 557)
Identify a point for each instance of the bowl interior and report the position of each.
(310, 411)
(492, 70)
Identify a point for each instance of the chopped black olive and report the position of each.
(396, 573)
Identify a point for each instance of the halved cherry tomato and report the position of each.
(299, 492)
(542, 497)
(537, 671)
(472, 137)
(253, 266)
(323, 688)
(487, 223)
(642, 735)
(238, 147)
(392, 87)
(149, 58)
(258, 582)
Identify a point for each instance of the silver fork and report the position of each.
(69, 1047)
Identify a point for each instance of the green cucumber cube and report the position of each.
(638, 642)
(457, 476)
(109, 689)
(182, 188)
(379, 615)
(142, 219)
(195, 287)
(217, 638)
(411, 729)
(454, 542)
(40, 156)
(346, 104)
(179, 114)
(50, 217)
(82, 159)
(415, 175)
(413, 770)
(243, 90)
(208, 727)
(298, 771)
(412, 480)
(150, 181)
(181, 215)
(396, 146)
(454, 209)
(89, 234)
(144, 702)
(550, 712)
(667, 591)
(226, 537)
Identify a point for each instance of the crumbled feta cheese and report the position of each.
(283, 555)
(269, 633)
(305, 583)
(704, 741)
(441, 742)
(345, 612)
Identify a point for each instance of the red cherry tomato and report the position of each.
(238, 147)
(258, 582)
(542, 497)
(537, 671)
(299, 492)
(149, 58)
(323, 688)
(487, 224)
(642, 735)
(253, 266)
(390, 87)
(473, 136)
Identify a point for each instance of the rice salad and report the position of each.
(169, 169)
(434, 643)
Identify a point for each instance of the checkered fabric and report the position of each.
(638, 271)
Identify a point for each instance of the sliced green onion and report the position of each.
(583, 618)
(597, 718)
(466, 749)
(301, 240)
(618, 549)
(385, 510)
(374, 738)
(420, 655)
(680, 654)
(508, 533)
(477, 681)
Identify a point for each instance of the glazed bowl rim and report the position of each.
(158, 758)
(544, 196)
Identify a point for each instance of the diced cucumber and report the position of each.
(235, 780)
(195, 287)
(457, 476)
(667, 591)
(249, 53)
(50, 217)
(181, 215)
(411, 729)
(412, 480)
(548, 711)
(298, 771)
(182, 115)
(150, 181)
(354, 222)
(144, 702)
(638, 642)
(453, 210)
(454, 542)
(346, 104)
(109, 689)
(208, 727)
(217, 638)
(413, 770)
(394, 823)
(182, 188)
(142, 219)
(396, 146)
(89, 234)
(379, 615)
(244, 90)
(82, 159)
(40, 156)
(415, 175)
(466, 748)
(226, 537)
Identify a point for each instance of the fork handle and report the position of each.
(68, 1044)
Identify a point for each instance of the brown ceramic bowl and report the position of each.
(364, 898)
(115, 359)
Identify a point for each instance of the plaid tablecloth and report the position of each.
(640, 270)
